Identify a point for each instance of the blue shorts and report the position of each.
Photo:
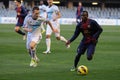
(83, 47)
(19, 24)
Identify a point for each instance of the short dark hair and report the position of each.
(35, 8)
(18, 1)
(85, 12)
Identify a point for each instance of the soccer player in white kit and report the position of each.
(43, 13)
(53, 14)
(32, 26)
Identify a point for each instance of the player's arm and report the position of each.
(75, 35)
(24, 12)
(57, 12)
(26, 29)
(58, 16)
(25, 25)
(98, 28)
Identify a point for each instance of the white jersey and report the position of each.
(51, 12)
(35, 25)
(43, 12)
(51, 15)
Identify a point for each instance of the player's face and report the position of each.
(35, 14)
(50, 2)
(41, 2)
(84, 16)
(80, 4)
(16, 3)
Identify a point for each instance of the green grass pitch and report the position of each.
(14, 59)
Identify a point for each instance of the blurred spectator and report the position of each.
(78, 12)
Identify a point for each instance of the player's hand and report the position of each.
(18, 14)
(30, 30)
(67, 43)
(55, 30)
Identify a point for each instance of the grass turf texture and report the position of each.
(14, 59)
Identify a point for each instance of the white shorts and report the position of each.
(31, 38)
(55, 25)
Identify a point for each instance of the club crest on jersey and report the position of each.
(88, 26)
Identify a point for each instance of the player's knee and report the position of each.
(89, 58)
(47, 36)
(17, 29)
(32, 45)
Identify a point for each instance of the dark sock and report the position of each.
(20, 32)
(29, 52)
(77, 58)
(32, 53)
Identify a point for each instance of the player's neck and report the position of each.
(50, 5)
(84, 21)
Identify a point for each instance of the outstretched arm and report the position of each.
(75, 35)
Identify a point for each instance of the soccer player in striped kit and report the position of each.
(21, 14)
(91, 31)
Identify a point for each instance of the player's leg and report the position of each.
(32, 48)
(17, 29)
(78, 19)
(42, 27)
(58, 36)
(44, 15)
(90, 51)
(29, 39)
(48, 40)
(80, 51)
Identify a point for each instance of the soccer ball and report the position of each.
(83, 70)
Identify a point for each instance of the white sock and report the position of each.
(48, 43)
(63, 39)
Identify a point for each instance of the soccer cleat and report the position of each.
(37, 60)
(24, 37)
(33, 63)
(46, 52)
(73, 69)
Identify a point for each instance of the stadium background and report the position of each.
(14, 60)
(105, 12)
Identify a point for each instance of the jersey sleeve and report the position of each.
(56, 9)
(24, 12)
(76, 33)
(98, 28)
(44, 7)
